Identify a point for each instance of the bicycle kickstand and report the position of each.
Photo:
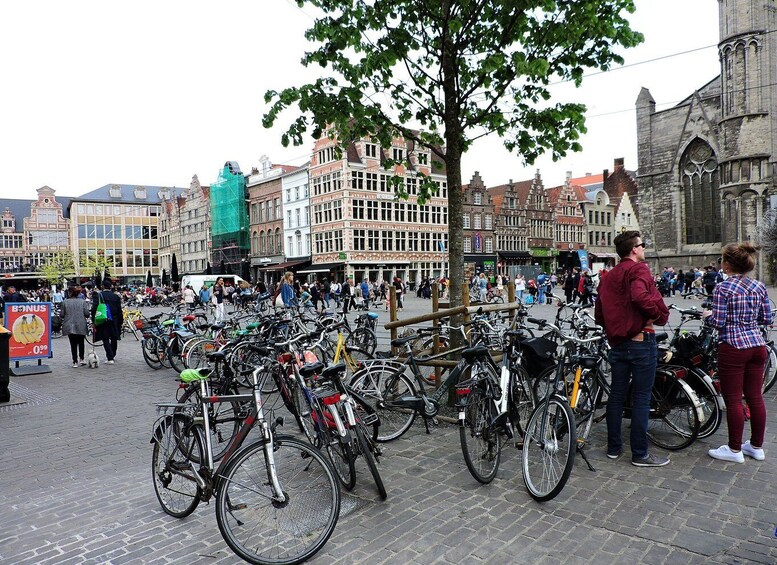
(581, 451)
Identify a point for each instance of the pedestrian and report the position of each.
(346, 295)
(218, 297)
(569, 286)
(740, 305)
(287, 290)
(364, 287)
(109, 332)
(709, 280)
(13, 296)
(542, 281)
(483, 287)
(204, 295)
(576, 276)
(520, 287)
(327, 288)
(189, 296)
(629, 306)
(74, 313)
(399, 291)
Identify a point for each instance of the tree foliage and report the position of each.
(456, 69)
(58, 267)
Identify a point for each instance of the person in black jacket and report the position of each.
(108, 332)
(709, 280)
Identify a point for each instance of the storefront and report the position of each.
(476, 263)
(544, 257)
(512, 261)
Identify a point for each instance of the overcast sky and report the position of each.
(150, 92)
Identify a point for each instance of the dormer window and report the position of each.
(371, 150)
(397, 154)
(423, 158)
(478, 198)
(140, 192)
(115, 191)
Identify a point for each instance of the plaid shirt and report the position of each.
(739, 305)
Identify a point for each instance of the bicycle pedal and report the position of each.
(519, 445)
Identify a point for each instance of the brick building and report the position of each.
(479, 229)
(569, 236)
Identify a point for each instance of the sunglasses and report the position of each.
(639, 245)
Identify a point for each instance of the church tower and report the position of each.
(708, 166)
(748, 114)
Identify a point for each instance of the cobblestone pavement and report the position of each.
(75, 487)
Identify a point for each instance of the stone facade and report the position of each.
(195, 229)
(265, 189)
(11, 244)
(568, 223)
(479, 229)
(46, 230)
(707, 166)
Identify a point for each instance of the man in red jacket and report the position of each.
(629, 305)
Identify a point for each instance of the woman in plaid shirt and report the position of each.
(739, 305)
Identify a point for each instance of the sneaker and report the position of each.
(614, 455)
(109, 362)
(724, 453)
(756, 453)
(650, 460)
(82, 363)
(75, 365)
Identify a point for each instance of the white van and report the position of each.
(208, 280)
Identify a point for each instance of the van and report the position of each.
(196, 281)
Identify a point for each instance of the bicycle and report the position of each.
(277, 499)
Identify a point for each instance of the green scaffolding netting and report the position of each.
(228, 212)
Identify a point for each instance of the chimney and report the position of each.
(618, 163)
(605, 174)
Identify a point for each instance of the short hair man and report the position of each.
(628, 306)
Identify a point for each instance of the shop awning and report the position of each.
(515, 254)
(284, 266)
(604, 255)
(321, 268)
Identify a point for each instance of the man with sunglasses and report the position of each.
(629, 305)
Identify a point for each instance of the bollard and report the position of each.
(5, 368)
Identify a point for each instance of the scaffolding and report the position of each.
(229, 219)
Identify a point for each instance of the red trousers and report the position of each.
(742, 372)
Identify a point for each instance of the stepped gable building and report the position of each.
(708, 166)
(195, 229)
(479, 233)
(568, 223)
(359, 229)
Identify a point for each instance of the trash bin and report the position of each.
(5, 368)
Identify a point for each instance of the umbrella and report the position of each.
(164, 277)
(222, 268)
(246, 271)
(149, 280)
(208, 270)
(229, 268)
(174, 270)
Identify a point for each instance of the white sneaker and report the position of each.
(724, 453)
(109, 362)
(756, 453)
(75, 365)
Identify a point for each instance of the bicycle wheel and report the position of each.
(149, 350)
(364, 339)
(549, 449)
(176, 445)
(481, 443)
(261, 529)
(710, 401)
(770, 370)
(673, 422)
(343, 460)
(366, 450)
(378, 386)
(196, 356)
(174, 350)
(522, 400)
(224, 417)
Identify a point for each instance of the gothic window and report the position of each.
(700, 182)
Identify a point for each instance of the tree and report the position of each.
(472, 67)
(58, 268)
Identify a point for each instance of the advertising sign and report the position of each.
(583, 254)
(30, 327)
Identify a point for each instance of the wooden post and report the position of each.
(393, 310)
(435, 325)
(465, 302)
(511, 298)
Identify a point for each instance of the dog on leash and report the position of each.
(92, 360)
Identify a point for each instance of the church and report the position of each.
(708, 166)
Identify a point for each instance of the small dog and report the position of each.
(92, 360)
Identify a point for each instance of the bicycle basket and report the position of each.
(690, 349)
(538, 353)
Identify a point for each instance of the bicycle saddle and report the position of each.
(400, 341)
(661, 336)
(472, 353)
(216, 356)
(220, 326)
(333, 370)
(192, 375)
(310, 369)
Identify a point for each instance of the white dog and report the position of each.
(92, 360)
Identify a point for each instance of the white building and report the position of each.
(296, 215)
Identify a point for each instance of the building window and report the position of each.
(489, 245)
(700, 184)
(423, 158)
(489, 222)
(477, 198)
(397, 154)
(476, 218)
(371, 150)
(466, 221)
(467, 245)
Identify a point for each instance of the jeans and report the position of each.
(541, 295)
(742, 371)
(633, 361)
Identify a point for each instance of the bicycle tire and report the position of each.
(522, 401)
(265, 532)
(770, 369)
(174, 351)
(224, 417)
(711, 402)
(372, 384)
(175, 444)
(364, 339)
(427, 371)
(196, 355)
(342, 458)
(481, 443)
(673, 422)
(547, 461)
(148, 348)
(366, 449)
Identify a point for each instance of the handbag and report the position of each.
(102, 314)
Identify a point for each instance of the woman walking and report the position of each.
(219, 294)
(108, 332)
(75, 312)
(739, 305)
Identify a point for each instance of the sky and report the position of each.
(151, 93)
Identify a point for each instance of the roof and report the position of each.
(103, 194)
(22, 208)
(521, 189)
(588, 180)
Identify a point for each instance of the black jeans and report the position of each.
(111, 345)
(76, 347)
